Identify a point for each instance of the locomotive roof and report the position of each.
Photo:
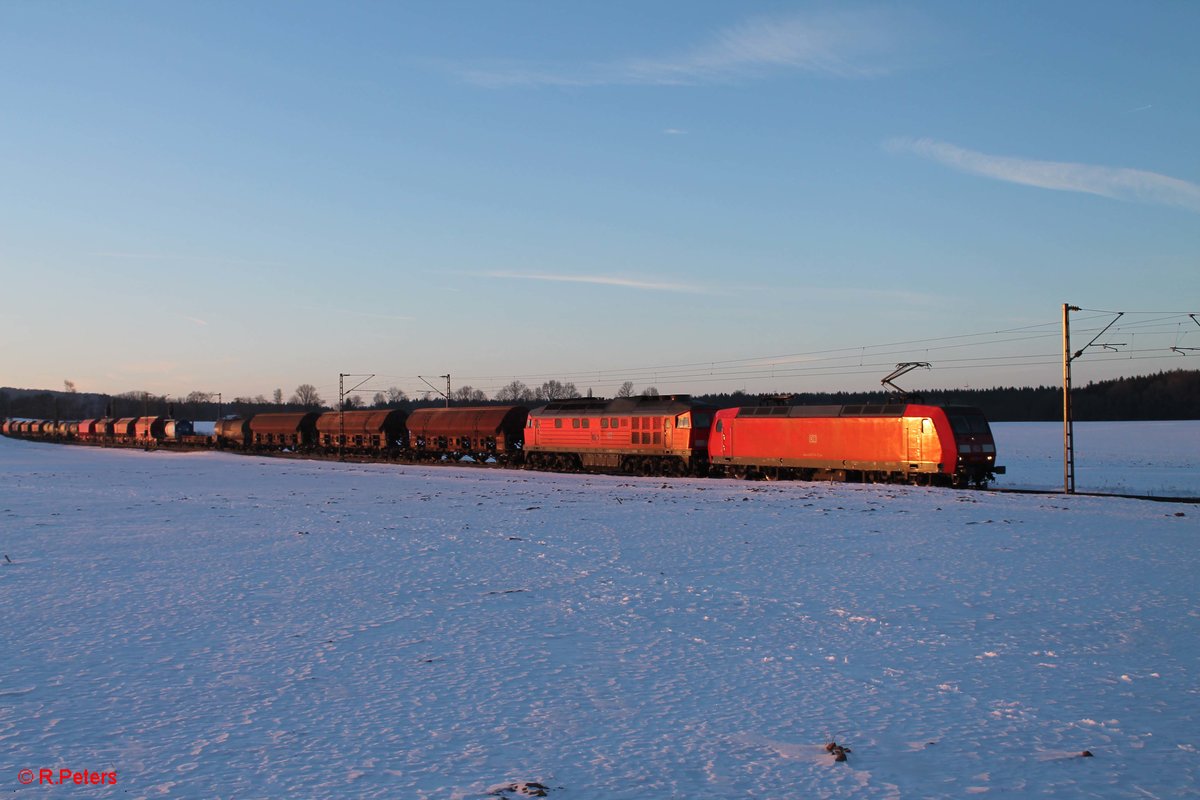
(886, 410)
(580, 406)
(862, 410)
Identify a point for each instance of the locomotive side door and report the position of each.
(913, 429)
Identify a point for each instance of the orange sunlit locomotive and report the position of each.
(665, 435)
(942, 445)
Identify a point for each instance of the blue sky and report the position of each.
(699, 196)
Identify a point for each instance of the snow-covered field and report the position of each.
(1156, 458)
(215, 626)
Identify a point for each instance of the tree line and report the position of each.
(1165, 395)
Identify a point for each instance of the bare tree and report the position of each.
(626, 389)
(555, 390)
(278, 397)
(199, 397)
(306, 395)
(467, 394)
(515, 392)
(650, 391)
(351, 401)
(379, 400)
(395, 395)
(69, 386)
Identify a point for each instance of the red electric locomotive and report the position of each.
(944, 445)
(665, 435)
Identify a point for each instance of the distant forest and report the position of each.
(1165, 395)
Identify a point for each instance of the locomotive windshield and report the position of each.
(968, 423)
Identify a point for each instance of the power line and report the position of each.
(865, 359)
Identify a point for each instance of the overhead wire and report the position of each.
(847, 361)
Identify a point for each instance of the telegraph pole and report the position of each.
(342, 406)
(1068, 422)
(447, 377)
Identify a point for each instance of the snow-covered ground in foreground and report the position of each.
(208, 625)
(1156, 458)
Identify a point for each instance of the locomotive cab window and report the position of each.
(969, 423)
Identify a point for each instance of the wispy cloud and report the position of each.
(193, 320)
(1117, 183)
(848, 44)
(674, 132)
(600, 280)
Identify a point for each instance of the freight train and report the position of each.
(668, 435)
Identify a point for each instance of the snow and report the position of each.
(1157, 458)
(210, 625)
